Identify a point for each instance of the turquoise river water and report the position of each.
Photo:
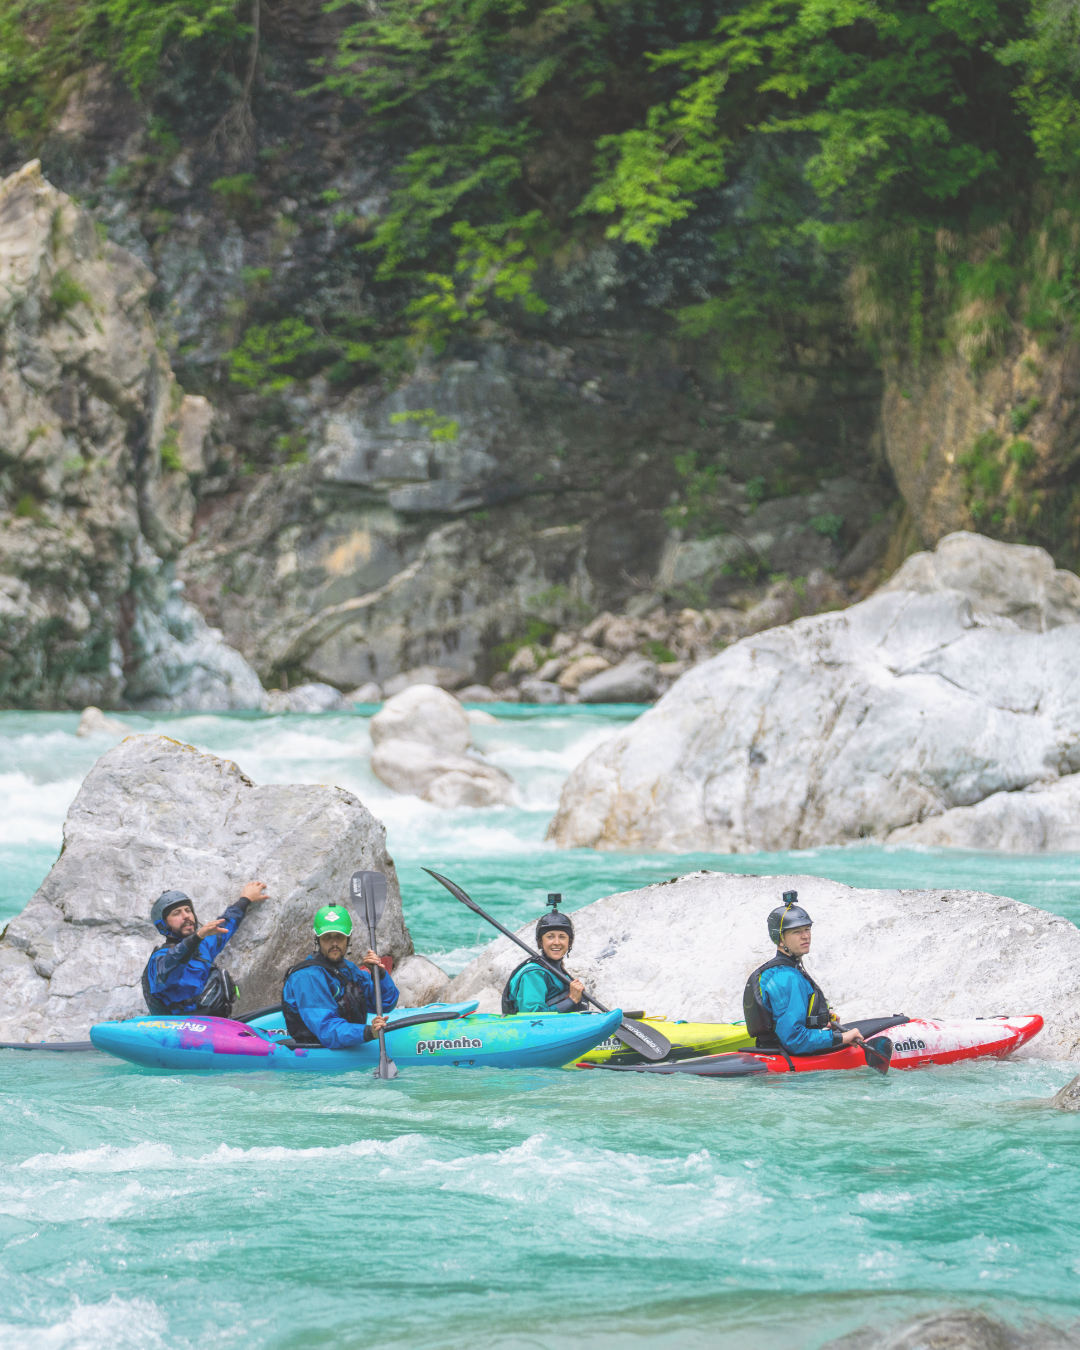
(512, 1209)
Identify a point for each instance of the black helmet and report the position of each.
(787, 916)
(555, 920)
(166, 901)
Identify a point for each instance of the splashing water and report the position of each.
(513, 1209)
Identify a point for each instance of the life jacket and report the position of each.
(215, 999)
(509, 1003)
(348, 995)
(759, 1020)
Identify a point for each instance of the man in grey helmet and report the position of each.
(181, 976)
(783, 1006)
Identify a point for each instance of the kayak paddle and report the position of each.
(877, 1052)
(644, 1040)
(369, 895)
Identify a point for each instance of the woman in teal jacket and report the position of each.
(532, 988)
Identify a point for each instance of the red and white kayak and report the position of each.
(915, 1044)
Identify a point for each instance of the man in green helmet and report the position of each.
(533, 988)
(326, 999)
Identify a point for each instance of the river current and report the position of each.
(512, 1209)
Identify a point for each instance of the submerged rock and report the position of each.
(155, 815)
(892, 720)
(94, 722)
(307, 698)
(958, 1330)
(1068, 1097)
(422, 739)
(685, 948)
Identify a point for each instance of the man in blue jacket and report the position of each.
(326, 999)
(784, 1008)
(181, 975)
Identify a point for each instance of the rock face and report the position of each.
(420, 981)
(422, 738)
(685, 949)
(96, 447)
(154, 815)
(959, 1330)
(918, 715)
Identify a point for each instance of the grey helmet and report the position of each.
(556, 920)
(787, 916)
(165, 902)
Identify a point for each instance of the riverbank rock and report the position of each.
(93, 722)
(920, 715)
(155, 815)
(307, 698)
(685, 948)
(422, 739)
(100, 449)
(420, 981)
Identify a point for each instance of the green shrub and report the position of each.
(828, 525)
(65, 293)
(1023, 455)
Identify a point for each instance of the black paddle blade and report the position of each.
(455, 890)
(878, 1052)
(734, 1064)
(646, 1040)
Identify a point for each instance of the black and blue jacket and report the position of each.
(176, 974)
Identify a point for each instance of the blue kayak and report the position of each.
(454, 1036)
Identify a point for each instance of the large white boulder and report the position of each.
(685, 948)
(861, 724)
(422, 740)
(154, 815)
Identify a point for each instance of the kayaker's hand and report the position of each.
(255, 891)
(372, 959)
(852, 1036)
(213, 928)
(378, 1024)
(575, 991)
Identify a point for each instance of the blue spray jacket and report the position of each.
(786, 992)
(312, 994)
(176, 973)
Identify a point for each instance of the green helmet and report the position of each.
(332, 919)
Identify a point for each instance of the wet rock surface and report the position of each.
(959, 1330)
(684, 949)
(914, 716)
(155, 815)
(422, 739)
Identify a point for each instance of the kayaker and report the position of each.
(531, 987)
(326, 999)
(783, 1006)
(181, 975)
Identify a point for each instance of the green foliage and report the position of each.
(65, 293)
(695, 513)
(1023, 455)
(660, 654)
(170, 452)
(238, 192)
(1022, 415)
(269, 353)
(984, 473)
(439, 428)
(828, 525)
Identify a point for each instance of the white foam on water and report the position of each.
(117, 1324)
(33, 812)
(157, 1157)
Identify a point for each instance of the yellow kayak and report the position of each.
(688, 1039)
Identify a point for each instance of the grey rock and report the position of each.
(886, 717)
(540, 691)
(441, 677)
(1068, 1097)
(366, 693)
(155, 815)
(422, 738)
(684, 949)
(632, 681)
(477, 693)
(420, 981)
(1011, 580)
(93, 722)
(962, 1329)
(307, 698)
